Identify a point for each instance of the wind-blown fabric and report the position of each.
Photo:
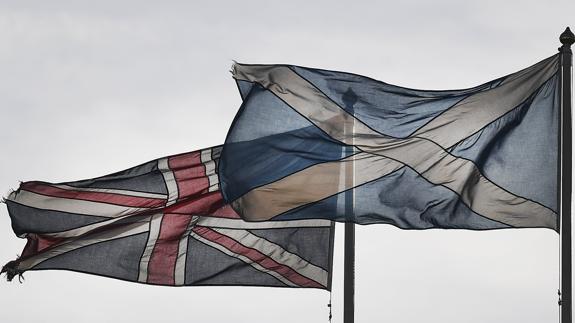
(164, 223)
(332, 145)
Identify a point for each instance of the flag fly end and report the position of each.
(11, 271)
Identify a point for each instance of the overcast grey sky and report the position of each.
(92, 87)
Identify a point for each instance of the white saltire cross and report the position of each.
(426, 151)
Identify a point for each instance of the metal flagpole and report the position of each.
(567, 39)
(349, 273)
(350, 98)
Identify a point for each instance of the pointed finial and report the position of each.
(567, 38)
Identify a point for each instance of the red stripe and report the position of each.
(163, 258)
(31, 247)
(256, 256)
(190, 174)
(47, 242)
(36, 244)
(207, 204)
(109, 198)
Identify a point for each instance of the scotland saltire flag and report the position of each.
(318, 144)
(164, 223)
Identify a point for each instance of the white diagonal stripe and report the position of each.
(480, 109)
(226, 223)
(278, 254)
(180, 269)
(111, 191)
(169, 179)
(44, 202)
(243, 258)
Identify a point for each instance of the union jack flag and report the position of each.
(164, 223)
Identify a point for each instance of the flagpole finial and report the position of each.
(567, 38)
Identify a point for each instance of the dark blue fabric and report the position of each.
(244, 87)
(280, 149)
(27, 219)
(521, 148)
(142, 178)
(118, 258)
(208, 266)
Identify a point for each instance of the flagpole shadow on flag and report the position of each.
(349, 99)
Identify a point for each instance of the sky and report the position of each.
(88, 88)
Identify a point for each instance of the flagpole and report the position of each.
(349, 274)
(567, 39)
(350, 98)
